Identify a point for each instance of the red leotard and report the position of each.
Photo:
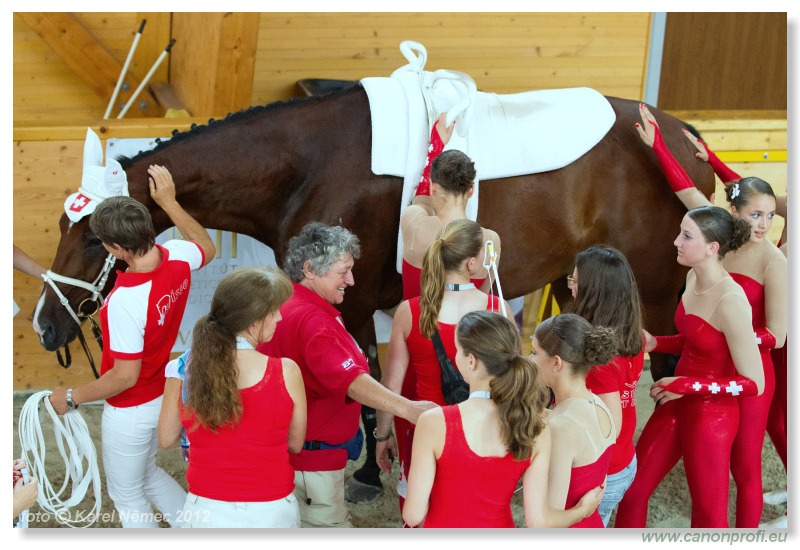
(471, 490)
(582, 480)
(699, 428)
(760, 269)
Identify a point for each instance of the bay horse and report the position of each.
(268, 170)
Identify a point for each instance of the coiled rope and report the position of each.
(76, 447)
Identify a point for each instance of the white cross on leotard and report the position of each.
(714, 387)
(79, 203)
(697, 386)
(734, 389)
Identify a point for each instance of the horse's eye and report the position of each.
(93, 241)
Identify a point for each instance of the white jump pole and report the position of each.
(146, 79)
(124, 69)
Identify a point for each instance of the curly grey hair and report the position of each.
(320, 245)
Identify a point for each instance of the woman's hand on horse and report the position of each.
(647, 130)
(382, 449)
(702, 152)
(162, 188)
(658, 392)
(445, 131)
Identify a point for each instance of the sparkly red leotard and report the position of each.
(760, 268)
(714, 327)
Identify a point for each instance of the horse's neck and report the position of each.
(230, 190)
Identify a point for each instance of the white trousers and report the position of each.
(134, 482)
(206, 512)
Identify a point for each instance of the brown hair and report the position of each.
(719, 226)
(124, 221)
(745, 189)
(453, 171)
(576, 341)
(516, 388)
(457, 241)
(608, 296)
(242, 297)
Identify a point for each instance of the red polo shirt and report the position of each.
(311, 332)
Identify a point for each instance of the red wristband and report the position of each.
(720, 169)
(677, 177)
(672, 344)
(765, 339)
(436, 146)
(739, 386)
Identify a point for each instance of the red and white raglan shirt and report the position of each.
(141, 317)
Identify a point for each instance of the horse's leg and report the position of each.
(365, 484)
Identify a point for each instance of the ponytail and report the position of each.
(456, 242)
(213, 394)
(432, 289)
(516, 388)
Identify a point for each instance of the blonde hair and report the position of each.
(516, 388)
(242, 297)
(457, 241)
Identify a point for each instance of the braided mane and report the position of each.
(215, 125)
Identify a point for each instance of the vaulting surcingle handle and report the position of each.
(491, 257)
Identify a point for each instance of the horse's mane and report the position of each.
(233, 118)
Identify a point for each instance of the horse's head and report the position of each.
(82, 268)
(80, 258)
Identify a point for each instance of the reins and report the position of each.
(95, 288)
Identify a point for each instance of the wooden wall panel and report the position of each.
(503, 52)
(46, 89)
(724, 61)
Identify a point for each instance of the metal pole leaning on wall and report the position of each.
(125, 69)
(146, 79)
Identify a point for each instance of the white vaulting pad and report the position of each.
(510, 135)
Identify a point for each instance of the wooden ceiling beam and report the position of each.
(90, 60)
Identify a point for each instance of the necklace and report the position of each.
(242, 343)
(484, 394)
(459, 286)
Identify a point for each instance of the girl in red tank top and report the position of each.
(564, 347)
(468, 458)
(243, 412)
(447, 295)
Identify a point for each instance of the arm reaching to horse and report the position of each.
(440, 136)
(162, 191)
(678, 179)
(26, 264)
(725, 174)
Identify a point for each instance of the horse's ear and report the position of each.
(92, 150)
(116, 180)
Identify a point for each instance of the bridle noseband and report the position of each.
(95, 288)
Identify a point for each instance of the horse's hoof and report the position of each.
(356, 491)
(775, 497)
(777, 523)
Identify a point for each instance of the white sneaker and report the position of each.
(777, 523)
(775, 497)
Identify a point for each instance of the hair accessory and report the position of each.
(735, 191)
(459, 286)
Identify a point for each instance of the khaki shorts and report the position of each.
(320, 496)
